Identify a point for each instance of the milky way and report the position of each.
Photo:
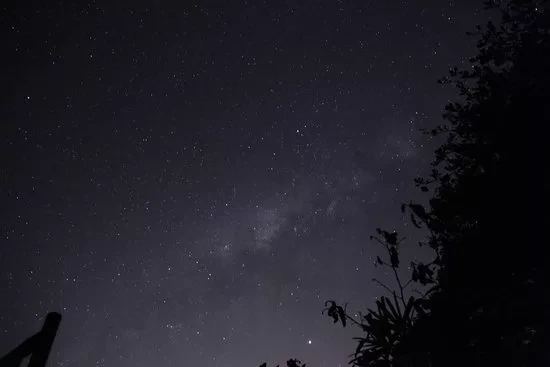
(188, 183)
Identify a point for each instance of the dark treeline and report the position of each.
(484, 302)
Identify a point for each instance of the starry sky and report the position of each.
(188, 182)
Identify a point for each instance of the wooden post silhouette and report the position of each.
(37, 346)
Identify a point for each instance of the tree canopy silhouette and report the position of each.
(485, 287)
(487, 281)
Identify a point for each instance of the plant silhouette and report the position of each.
(484, 302)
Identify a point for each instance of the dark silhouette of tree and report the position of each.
(486, 301)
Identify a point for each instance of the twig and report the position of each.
(383, 285)
(400, 286)
(380, 242)
(417, 291)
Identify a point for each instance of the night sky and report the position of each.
(187, 183)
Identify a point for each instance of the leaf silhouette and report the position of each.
(394, 257)
(342, 315)
(418, 210)
(396, 315)
(414, 222)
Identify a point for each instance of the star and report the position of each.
(170, 178)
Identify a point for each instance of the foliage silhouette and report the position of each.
(393, 318)
(485, 303)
